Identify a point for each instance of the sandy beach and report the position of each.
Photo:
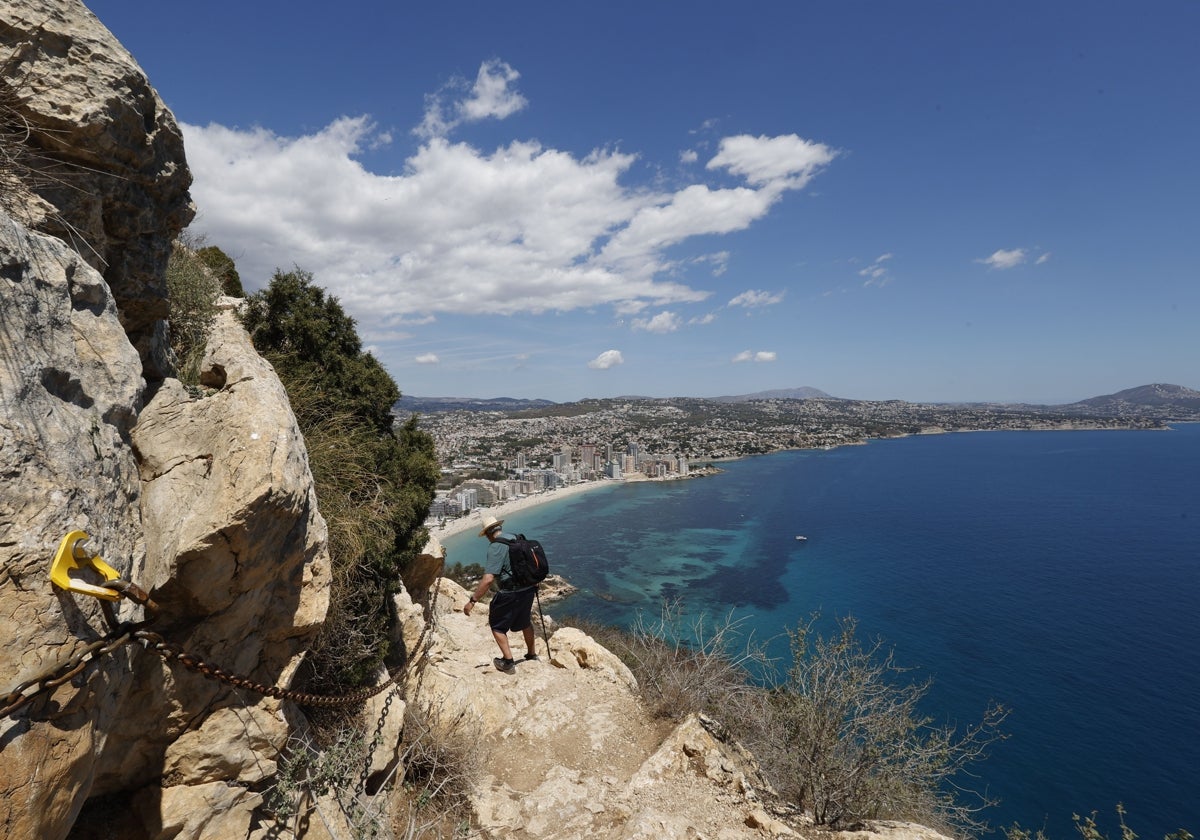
(473, 521)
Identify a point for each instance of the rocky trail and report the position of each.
(568, 750)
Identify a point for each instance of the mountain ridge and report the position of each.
(1153, 396)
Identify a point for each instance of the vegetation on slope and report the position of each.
(374, 482)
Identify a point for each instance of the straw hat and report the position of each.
(490, 522)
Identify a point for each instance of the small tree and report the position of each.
(844, 738)
(374, 481)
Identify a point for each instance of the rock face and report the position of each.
(114, 182)
(569, 750)
(205, 501)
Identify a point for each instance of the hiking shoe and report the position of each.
(531, 657)
(505, 665)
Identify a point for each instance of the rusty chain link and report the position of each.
(121, 634)
(59, 674)
(172, 653)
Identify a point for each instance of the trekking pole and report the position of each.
(537, 594)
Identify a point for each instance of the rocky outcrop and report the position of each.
(70, 391)
(569, 749)
(109, 171)
(202, 498)
(205, 501)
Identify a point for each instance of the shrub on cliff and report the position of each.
(838, 734)
(1089, 829)
(374, 481)
(843, 737)
(193, 291)
(222, 266)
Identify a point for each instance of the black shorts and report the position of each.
(511, 610)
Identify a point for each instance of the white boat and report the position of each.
(802, 539)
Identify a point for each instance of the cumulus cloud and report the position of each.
(457, 230)
(427, 359)
(754, 298)
(689, 156)
(752, 356)
(491, 95)
(701, 320)
(786, 162)
(663, 322)
(607, 359)
(1004, 259)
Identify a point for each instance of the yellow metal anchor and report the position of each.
(72, 555)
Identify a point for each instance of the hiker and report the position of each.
(511, 608)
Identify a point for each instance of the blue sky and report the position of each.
(925, 201)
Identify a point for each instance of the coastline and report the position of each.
(474, 519)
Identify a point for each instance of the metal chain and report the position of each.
(172, 653)
(59, 674)
(122, 634)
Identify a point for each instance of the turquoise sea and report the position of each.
(1055, 572)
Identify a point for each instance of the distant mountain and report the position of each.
(804, 393)
(432, 405)
(1158, 396)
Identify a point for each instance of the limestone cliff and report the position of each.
(207, 502)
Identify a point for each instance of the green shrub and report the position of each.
(374, 482)
(223, 268)
(193, 291)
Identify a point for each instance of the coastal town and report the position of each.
(491, 457)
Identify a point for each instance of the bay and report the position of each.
(1057, 573)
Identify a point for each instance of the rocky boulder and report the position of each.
(108, 171)
(206, 501)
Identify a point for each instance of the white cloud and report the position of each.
(607, 359)
(521, 228)
(751, 356)
(877, 273)
(703, 319)
(663, 322)
(427, 359)
(688, 156)
(491, 95)
(752, 298)
(719, 262)
(1004, 259)
(1043, 258)
(785, 162)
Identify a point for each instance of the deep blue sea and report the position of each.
(1057, 573)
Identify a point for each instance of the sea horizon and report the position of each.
(1053, 572)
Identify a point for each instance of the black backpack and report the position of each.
(527, 562)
